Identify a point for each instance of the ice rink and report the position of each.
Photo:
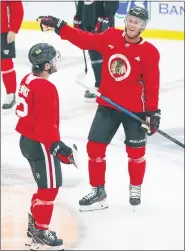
(158, 223)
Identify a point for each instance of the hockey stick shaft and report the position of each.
(128, 112)
(85, 61)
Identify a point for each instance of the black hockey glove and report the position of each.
(102, 24)
(153, 118)
(48, 23)
(63, 152)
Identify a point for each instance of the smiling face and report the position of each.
(134, 26)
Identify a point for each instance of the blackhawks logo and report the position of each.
(119, 67)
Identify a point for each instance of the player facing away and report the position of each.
(130, 77)
(11, 18)
(95, 16)
(40, 143)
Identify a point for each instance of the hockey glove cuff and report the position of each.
(48, 23)
(153, 119)
(76, 23)
(102, 24)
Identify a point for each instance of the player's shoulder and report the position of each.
(30, 78)
(150, 47)
(37, 83)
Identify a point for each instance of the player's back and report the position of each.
(30, 108)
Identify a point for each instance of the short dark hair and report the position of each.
(37, 69)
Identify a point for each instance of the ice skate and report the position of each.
(135, 195)
(95, 200)
(89, 96)
(45, 240)
(9, 102)
(31, 227)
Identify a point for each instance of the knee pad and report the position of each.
(136, 153)
(6, 65)
(47, 194)
(96, 150)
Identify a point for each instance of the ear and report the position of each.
(47, 66)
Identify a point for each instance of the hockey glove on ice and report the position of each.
(48, 23)
(153, 118)
(102, 24)
(76, 23)
(63, 152)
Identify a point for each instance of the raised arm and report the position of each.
(82, 39)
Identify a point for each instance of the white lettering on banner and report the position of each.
(166, 8)
(164, 15)
(125, 6)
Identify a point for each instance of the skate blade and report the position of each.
(134, 207)
(38, 246)
(96, 206)
(28, 242)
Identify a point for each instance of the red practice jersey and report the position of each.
(38, 110)
(130, 72)
(12, 13)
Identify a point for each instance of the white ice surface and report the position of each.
(159, 222)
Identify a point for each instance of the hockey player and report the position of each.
(40, 143)
(130, 77)
(11, 18)
(95, 16)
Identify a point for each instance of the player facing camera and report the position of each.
(132, 79)
(135, 22)
(44, 58)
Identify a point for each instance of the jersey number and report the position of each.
(23, 113)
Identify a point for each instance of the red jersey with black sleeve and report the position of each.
(130, 72)
(38, 110)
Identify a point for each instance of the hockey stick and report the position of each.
(74, 160)
(85, 60)
(79, 81)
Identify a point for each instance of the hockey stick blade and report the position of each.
(72, 162)
(79, 81)
(74, 159)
